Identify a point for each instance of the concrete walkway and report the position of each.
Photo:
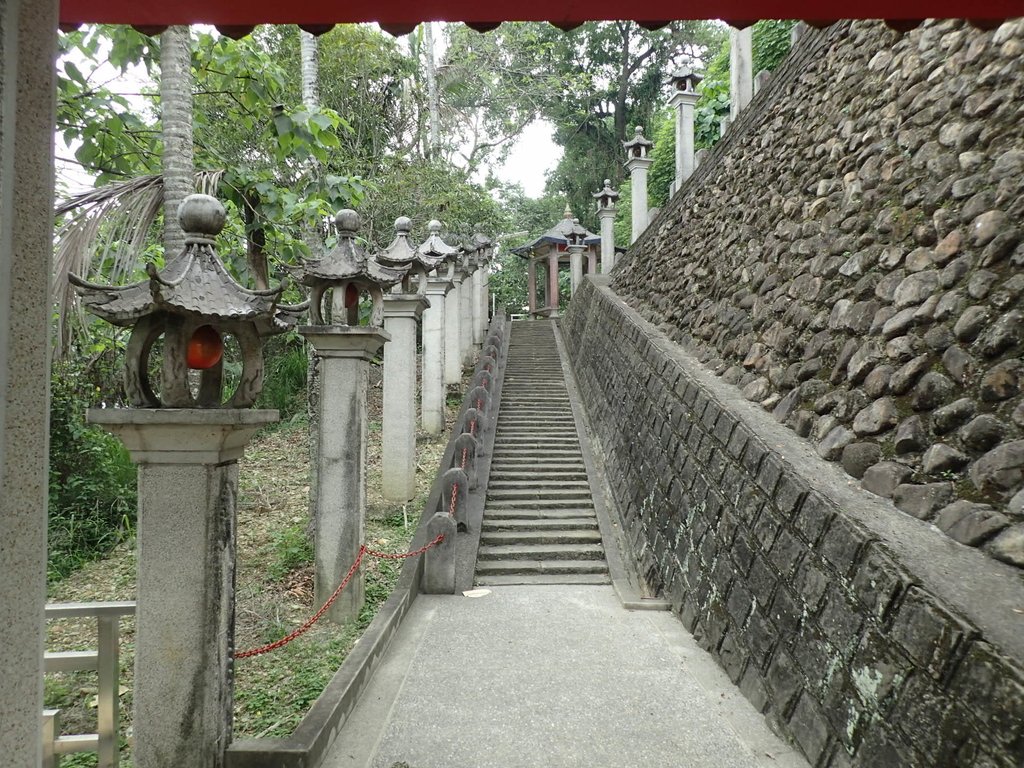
(551, 676)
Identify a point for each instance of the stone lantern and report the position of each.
(484, 252)
(638, 160)
(684, 97)
(402, 309)
(575, 245)
(188, 480)
(606, 213)
(343, 352)
(453, 267)
(192, 304)
(468, 267)
(439, 285)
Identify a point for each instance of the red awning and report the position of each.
(401, 16)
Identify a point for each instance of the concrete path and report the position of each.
(546, 677)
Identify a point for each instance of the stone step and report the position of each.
(537, 474)
(547, 536)
(525, 463)
(538, 524)
(553, 492)
(539, 484)
(509, 567)
(522, 505)
(529, 513)
(527, 579)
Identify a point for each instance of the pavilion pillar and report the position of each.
(575, 267)
(29, 31)
(531, 283)
(467, 301)
(432, 391)
(553, 284)
(452, 332)
(345, 353)
(398, 429)
(741, 69)
(182, 692)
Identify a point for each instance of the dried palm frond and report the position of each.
(103, 237)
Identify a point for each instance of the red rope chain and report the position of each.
(363, 550)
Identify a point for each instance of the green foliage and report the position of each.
(623, 226)
(92, 479)
(663, 169)
(284, 377)
(771, 43)
(291, 550)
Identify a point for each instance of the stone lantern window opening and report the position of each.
(685, 80)
(190, 321)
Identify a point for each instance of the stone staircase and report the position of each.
(539, 524)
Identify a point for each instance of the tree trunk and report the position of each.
(176, 118)
(433, 107)
(256, 239)
(310, 70)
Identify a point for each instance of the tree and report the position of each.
(176, 130)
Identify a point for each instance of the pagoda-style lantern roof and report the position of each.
(484, 247)
(638, 146)
(192, 302)
(606, 197)
(402, 255)
(684, 80)
(434, 247)
(349, 271)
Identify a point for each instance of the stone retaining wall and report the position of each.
(851, 258)
(866, 636)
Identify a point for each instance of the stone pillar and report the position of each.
(432, 391)
(575, 267)
(29, 41)
(345, 354)
(683, 101)
(637, 168)
(480, 307)
(452, 332)
(741, 69)
(467, 300)
(553, 284)
(184, 637)
(761, 81)
(531, 283)
(607, 217)
(591, 261)
(398, 430)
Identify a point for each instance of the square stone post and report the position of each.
(591, 261)
(467, 301)
(607, 217)
(345, 354)
(398, 430)
(452, 331)
(638, 160)
(188, 483)
(29, 43)
(531, 283)
(684, 98)
(480, 307)
(553, 284)
(741, 69)
(575, 267)
(432, 392)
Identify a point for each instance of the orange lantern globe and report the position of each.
(205, 348)
(351, 295)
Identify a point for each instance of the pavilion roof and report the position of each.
(401, 16)
(559, 235)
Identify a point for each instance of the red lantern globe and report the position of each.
(351, 295)
(205, 348)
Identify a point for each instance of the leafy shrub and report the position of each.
(284, 379)
(92, 478)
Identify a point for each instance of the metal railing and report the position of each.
(104, 661)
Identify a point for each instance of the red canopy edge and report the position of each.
(319, 14)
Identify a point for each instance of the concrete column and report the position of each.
(480, 306)
(685, 165)
(607, 217)
(553, 284)
(345, 354)
(398, 430)
(184, 637)
(29, 41)
(575, 268)
(432, 392)
(591, 261)
(467, 300)
(531, 283)
(741, 69)
(637, 167)
(452, 332)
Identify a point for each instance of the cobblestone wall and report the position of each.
(867, 637)
(851, 257)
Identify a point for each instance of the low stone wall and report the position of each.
(869, 638)
(851, 257)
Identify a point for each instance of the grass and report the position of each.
(274, 586)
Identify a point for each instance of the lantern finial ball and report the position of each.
(434, 225)
(347, 220)
(403, 224)
(202, 215)
(607, 182)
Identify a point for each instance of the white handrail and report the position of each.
(105, 661)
